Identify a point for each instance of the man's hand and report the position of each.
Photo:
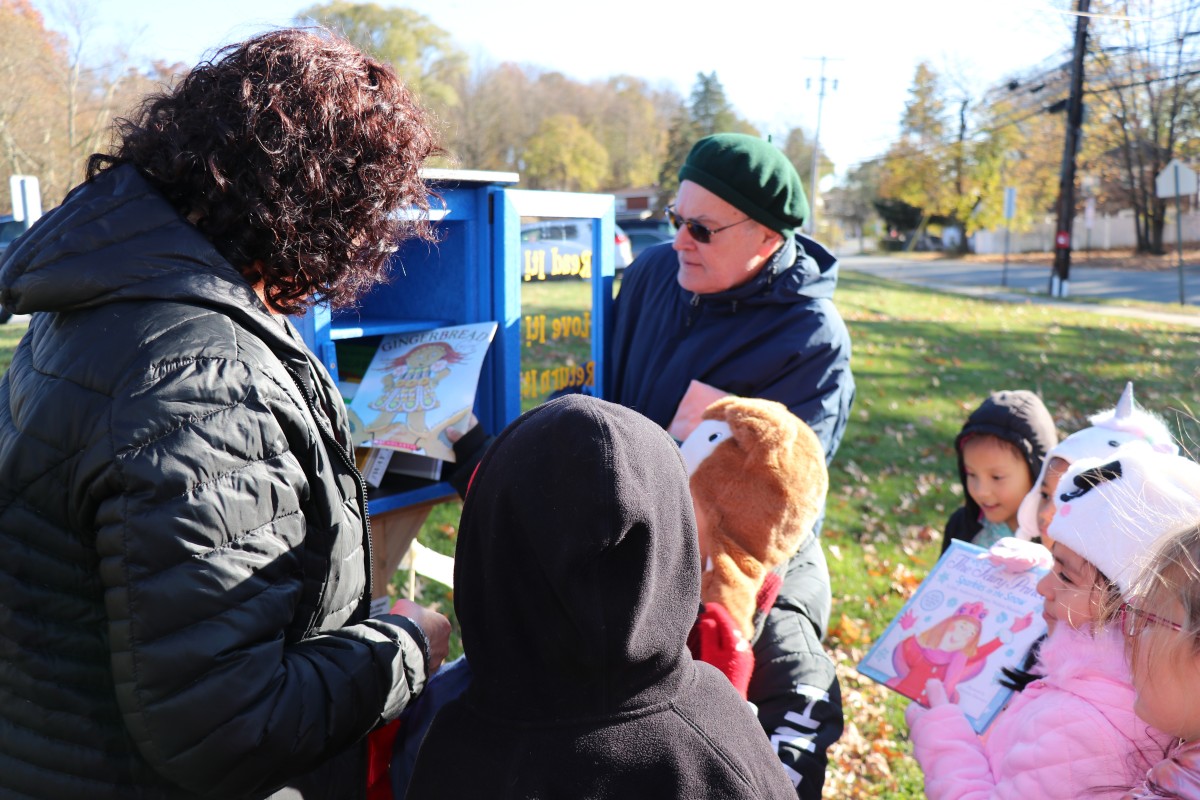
(435, 626)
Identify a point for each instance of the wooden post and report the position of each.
(391, 535)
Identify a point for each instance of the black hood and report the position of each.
(1016, 416)
(577, 569)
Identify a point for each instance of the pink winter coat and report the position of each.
(1174, 778)
(1070, 735)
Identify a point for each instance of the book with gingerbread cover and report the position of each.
(967, 620)
(419, 389)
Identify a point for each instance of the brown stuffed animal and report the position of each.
(758, 482)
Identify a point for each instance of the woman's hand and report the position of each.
(435, 626)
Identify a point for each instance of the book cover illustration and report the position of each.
(967, 620)
(420, 386)
(698, 397)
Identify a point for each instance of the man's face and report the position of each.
(732, 257)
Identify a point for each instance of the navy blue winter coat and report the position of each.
(778, 337)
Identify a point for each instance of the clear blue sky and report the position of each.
(763, 52)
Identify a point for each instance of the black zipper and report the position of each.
(331, 440)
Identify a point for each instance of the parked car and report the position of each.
(10, 229)
(563, 247)
(644, 233)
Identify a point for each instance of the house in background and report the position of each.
(638, 203)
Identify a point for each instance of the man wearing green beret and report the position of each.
(743, 302)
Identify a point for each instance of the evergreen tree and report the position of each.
(710, 110)
(682, 134)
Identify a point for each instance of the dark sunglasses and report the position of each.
(1134, 620)
(701, 233)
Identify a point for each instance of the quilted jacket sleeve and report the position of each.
(1054, 747)
(203, 533)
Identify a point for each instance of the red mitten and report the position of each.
(379, 760)
(716, 640)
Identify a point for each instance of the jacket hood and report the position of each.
(577, 566)
(800, 270)
(115, 238)
(1016, 416)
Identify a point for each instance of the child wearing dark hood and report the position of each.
(1000, 451)
(577, 580)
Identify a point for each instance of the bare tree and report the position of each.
(1144, 81)
(29, 123)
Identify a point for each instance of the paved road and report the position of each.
(987, 280)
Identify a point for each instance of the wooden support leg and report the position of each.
(392, 533)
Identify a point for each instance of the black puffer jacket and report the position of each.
(182, 542)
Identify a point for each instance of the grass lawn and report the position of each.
(10, 334)
(922, 360)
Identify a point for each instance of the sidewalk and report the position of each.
(983, 281)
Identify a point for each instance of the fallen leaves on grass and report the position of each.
(905, 581)
(865, 762)
(847, 630)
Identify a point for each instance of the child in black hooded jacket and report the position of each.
(1000, 451)
(577, 580)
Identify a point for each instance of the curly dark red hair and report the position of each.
(294, 153)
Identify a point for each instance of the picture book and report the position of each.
(967, 620)
(418, 388)
(698, 397)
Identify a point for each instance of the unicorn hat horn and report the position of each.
(1124, 408)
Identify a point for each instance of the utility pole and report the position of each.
(1061, 275)
(811, 223)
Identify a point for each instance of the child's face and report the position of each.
(1046, 505)
(1070, 591)
(1166, 671)
(997, 478)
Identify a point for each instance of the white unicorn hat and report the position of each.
(1113, 510)
(1116, 427)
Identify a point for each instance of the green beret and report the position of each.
(750, 174)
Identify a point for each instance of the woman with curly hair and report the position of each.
(185, 580)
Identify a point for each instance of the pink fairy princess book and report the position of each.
(968, 619)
